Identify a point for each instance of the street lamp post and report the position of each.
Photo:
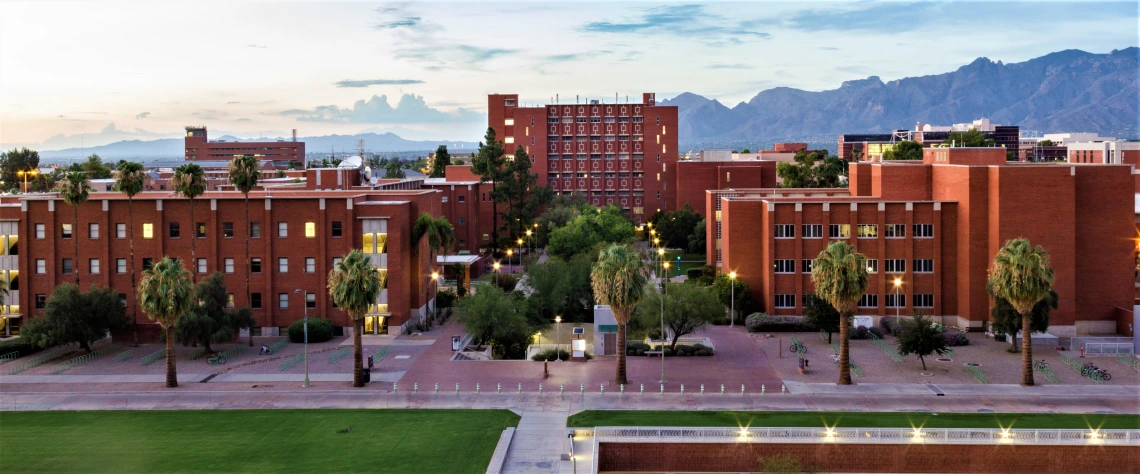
(435, 278)
(660, 258)
(898, 284)
(732, 312)
(25, 175)
(661, 347)
(558, 337)
(510, 255)
(496, 267)
(530, 240)
(520, 250)
(305, 306)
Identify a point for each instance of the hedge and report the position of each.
(22, 345)
(320, 330)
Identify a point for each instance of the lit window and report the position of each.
(509, 140)
(66, 232)
(148, 230)
(229, 300)
(509, 122)
(839, 231)
(310, 229)
(867, 231)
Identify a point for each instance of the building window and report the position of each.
(175, 231)
(41, 266)
(924, 265)
(807, 265)
(255, 230)
(785, 266)
(148, 230)
(39, 231)
(839, 231)
(123, 299)
(310, 300)
(375, 242)
(283, 300)
(201, 227)
(202, 265)
(872, 265)
(869, 301)
(93, 266)
(462, 221)
(336, 261)
(120, 265)
(924, 300)
(67, 266)
(255, 300)
(461, 198)
(229, 300)
(41, 301)
(147, 263)
(120, 230)
(896, 301)
(924, 231)
(310, 265)
(310, 230)
(282, 229)
(895, 231)
(65, 233)
(228, 229)
(785, 301)
(283, 265)
(93, 231)
(229, 265)
(255, 265)
(338, 231)
(813, 231)
(895, 265)
(509, 122)
(867, 231)
(785, 231)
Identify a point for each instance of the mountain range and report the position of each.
(1066, 91)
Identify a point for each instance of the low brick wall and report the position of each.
(742, 457)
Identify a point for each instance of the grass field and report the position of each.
(255, 441)
(688, 260)
(589, 419)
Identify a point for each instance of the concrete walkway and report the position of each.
(388, 377)
(538, 444)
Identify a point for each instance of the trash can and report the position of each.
(368, 376)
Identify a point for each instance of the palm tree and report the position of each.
(840, 278)
(354, 284)
(618, 279)
(130, 182)
(244, 174)
(189, 181)
(1021, 274)
(75, 191)
(439, 233)
(166, 291)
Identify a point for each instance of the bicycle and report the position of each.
(1040, 364)
(216, 360)
(796, 347)
(1090, 370)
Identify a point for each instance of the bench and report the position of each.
(653, 353)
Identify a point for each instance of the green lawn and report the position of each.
(688, 260)
(255, 441)
(589, 419)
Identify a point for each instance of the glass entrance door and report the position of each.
(375, 325)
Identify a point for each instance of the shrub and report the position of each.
(22, 345)
(693, 274)
(694, 350)
(636, 348)
(446, 299)
(955, 339)
(890, 325)
(550, 354)
(761, 322)
(320, 330)
(863, 332)
(999, 337)
(506, 281)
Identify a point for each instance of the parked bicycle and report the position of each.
(1090, 370)
(795, 347)
(216, 360)
(1040, 364)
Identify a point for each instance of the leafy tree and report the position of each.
(811, 169)
(165, 292)
(439, 234)
(1004, 319)
(394, 170)
(919, 335)
(697, 240)
(688, 309)
(488, 164)
(561, 211)
(619, 278)
(16, 160)
(189, 181)
(904, 150)
(514, 188)
(1022, 275)
(129, 181)
(95, 168)
(676, 227)
(856, 154)
(494, 317)
(439, 162)
(243, 174)
(591, 227)
(71, 315)
(840, 278)
(562, 288)
(969, 138)
(353, 285)
(74, 190)
(724, 289)
(746, 150)
(829, 171)
(1046, 143)
(212, 320)
(819, 313)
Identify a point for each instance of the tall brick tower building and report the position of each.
(612, 153)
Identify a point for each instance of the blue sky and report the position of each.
(141, 70)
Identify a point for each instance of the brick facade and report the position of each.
(198, 147)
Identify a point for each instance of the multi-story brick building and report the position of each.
(612, 153)
(294, 238)
(1113, 152)
(936, 225)
(724, 169)
(199, 147)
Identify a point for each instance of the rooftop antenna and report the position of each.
(555, 98)
(294, 134)
(575, 98)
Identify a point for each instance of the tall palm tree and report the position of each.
(75, 190)
(618, 279)
(1021, 274)
(166, 291)
(244, 174)
(129, 181)
(354, 284)
(439, 233)
(840, 277)
(189, 181)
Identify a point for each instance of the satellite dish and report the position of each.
(367, 172)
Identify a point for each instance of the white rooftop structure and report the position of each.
(983, 125)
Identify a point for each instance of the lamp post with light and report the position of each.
(496, 267)
(732, 297)
(662, 346)
(520, 250)
(510, 255)
(305, 306)
(558, 337)
(435, 276)
(25, 174)
(530, 240)
(898, 284)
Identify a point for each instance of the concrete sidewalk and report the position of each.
(377, 377)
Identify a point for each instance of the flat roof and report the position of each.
(453, 259)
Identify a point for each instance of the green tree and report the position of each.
(165, 292)
(16, 160)
(212, 320)
(746, 150)
(95, 168)
(811, 169)
(71, 315)
(1004, 318)
(676, 227)
(724, 289)
(969, 138)
(189, 181)
(354, 284)
(394, 170)
(562, 210)
(244, 174)
(494, 317)
(488, 164)
(440, 237)
(697, 240)
(904, 150)
(130, 179)
(75, 190)
(819, 313)
(550, 283)
(1022, 275)
(591, 227)
(518, 188)
(619, 279)
(919, 335)
(1046, 143)
(840, 277)
(439, 162)
(688, 309)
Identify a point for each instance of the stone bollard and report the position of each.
(561, 388)
(539, 388)
(437, 387)
(663, 389)
(457, 389)
(742, 389)
(602, 390)
(763, 389)
(499, 388)
(643, 389)
(477, 390)
(416, 387)
(783, 389)
(722, 389)
(682, 389)
(623, 389)
(394, 388)
(582, 388)
(702, 389)
(520, 387)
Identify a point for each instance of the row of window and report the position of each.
(585, 120)
(922, 300)
(93, 267)
(254, 300)
(174, 230)
(843, 231)
(890, 265)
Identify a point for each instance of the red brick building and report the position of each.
(936, 226)
(1114, 152)
(613, 153)
(199, 147)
